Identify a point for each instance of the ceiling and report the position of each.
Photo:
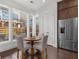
(28, 5)
(33, 4)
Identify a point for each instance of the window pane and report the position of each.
(19, 24)
(16, 22)
(4, 17)
(37, 26)
(30, 24)
(23, 19)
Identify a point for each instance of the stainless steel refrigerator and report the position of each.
(68, 34)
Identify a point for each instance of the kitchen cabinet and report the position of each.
(73, 12)
(67, 9)
(63, 14)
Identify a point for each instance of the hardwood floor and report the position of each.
(54, 53)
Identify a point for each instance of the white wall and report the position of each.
(48, 22)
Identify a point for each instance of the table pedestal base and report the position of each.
(32, 51)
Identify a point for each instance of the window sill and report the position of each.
(6, 45)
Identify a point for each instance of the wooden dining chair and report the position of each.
(22, 46)
(42, 46)
(45, 45)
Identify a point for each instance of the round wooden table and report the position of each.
(32, 41)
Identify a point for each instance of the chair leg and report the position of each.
(23, 55)
(42, 54)
(20, 55)
(17, 54)
(46, 53)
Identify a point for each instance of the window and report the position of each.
(30, 24)
(19, 23)
(4, 21)
(14, 22)
(37, 26)
(23, 19)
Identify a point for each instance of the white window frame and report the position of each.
(9, 16)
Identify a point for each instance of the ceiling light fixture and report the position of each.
(44, 1)
(31, 2)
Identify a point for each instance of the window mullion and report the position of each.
(10, 25)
